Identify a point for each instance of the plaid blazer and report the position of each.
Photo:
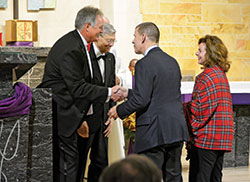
(210, 113)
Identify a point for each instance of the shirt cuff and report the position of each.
(109, 94)
(121, 81)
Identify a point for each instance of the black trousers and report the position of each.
(205, 165)
(168, 159)
(98, 155)
(65, 158)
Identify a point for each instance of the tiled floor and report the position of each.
(238, 174)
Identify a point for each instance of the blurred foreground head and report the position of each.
(134, 168)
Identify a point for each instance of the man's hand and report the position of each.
(123, 91)
(115, 94)
(118, 93)
(112, 113)
(108, 130)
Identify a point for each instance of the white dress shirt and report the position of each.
(100, 61)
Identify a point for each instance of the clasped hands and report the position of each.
(118, 94)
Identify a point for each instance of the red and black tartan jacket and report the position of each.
(210, 112)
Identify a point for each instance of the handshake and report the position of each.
(119, 93)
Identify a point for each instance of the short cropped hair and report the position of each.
(216, 52)
(87, 14)
(151, 31)
(134, 168)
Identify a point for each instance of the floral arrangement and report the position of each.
(129, 127)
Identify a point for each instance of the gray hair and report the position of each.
(151, 31)
(108, 29)
(87, 14)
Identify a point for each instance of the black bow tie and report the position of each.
(101, 57)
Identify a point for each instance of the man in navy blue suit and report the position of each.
(160, 124)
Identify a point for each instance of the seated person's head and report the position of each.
(134, 168)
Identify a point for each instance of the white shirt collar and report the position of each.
(83, 39)
(146, 52)
(97, 51)
(87, 52)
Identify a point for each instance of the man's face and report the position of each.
(137, 41)
(105, 42)
(96, 30)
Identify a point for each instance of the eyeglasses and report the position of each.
(110, 41)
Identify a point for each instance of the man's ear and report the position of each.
(143, 37)
(87, 26)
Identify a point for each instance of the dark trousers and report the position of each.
(98, 155)
(65, 158)
(205, 165)
(168, 159)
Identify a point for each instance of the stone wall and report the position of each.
(26, 142)
(34, 76)
(183, 22)
(25, 139)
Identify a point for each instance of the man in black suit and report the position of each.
(104, 75)
(69, 72)
(156, 98)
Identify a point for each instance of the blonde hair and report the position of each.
(216, 52)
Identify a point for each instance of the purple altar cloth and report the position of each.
(20, 44)
(17, 105)
(237, 98)
(133, 81)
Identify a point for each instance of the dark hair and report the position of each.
(87, 14)
(150, 29)
(134, 168)
(216, 52)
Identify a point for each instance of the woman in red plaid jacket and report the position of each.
(210, 113)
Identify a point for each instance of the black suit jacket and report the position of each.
(67, 72)
(156, 99)
(99, 117)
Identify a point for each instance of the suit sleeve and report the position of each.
(112, 81)
(140, 96)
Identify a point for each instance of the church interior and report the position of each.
(29, 28)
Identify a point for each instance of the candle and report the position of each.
(133, 79)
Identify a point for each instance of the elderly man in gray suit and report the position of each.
(160, 124)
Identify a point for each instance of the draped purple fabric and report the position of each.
(17, 105)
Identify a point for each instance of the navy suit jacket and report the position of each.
(67, 72)
(156, 99)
